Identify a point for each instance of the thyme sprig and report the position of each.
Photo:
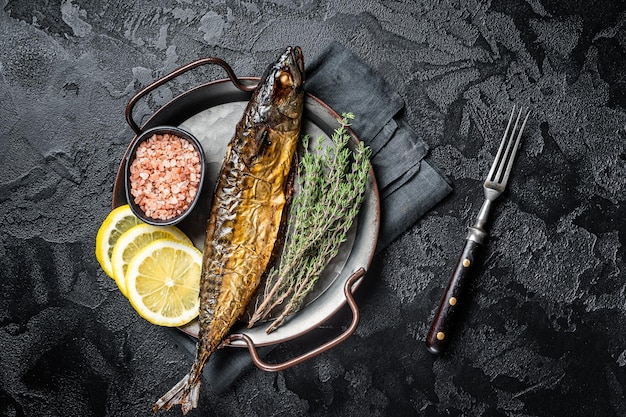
(332, 182)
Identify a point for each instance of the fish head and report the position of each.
(282, 93)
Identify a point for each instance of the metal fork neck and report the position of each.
(477, 232)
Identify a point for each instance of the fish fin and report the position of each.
(262, 141)
(185, 393)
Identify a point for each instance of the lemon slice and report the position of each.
(163, 281)
(132, 241)
(117, 222)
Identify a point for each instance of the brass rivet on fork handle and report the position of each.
(447, 313)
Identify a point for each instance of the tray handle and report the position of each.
(347, 290)
(159, 82)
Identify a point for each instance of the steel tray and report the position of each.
(210, 112)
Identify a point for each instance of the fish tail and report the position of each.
(185, 393)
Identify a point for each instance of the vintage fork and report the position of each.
(445, 318)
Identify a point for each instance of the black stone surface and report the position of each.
(544, 334)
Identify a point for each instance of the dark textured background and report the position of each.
(544, 335)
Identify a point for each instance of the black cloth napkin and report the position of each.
(409, 184)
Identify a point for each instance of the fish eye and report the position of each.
(285, 79)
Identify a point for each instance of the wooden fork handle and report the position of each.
(454, 298)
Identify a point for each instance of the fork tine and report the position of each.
(502, 159)
(501, 167)
(496, 163)
(514, 152)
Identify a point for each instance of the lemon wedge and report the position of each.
(117, 222)
(163, 282)
(132, 241)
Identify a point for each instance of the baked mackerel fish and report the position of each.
(247, 214)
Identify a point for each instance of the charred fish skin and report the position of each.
(250, 197)
(247, 212)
